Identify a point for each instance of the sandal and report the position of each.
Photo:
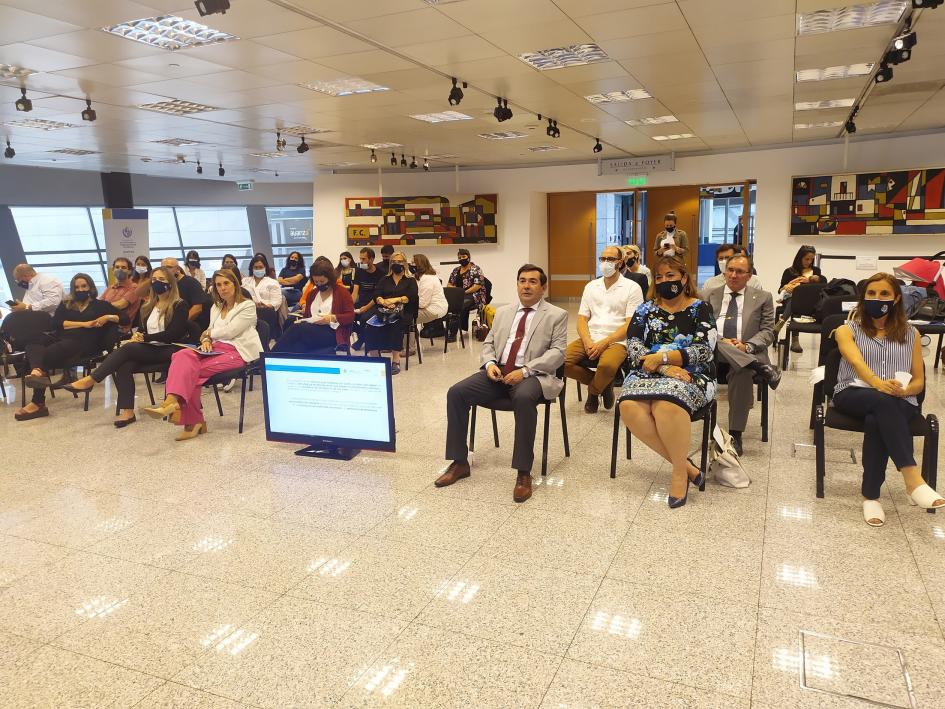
(873, 513)
(924, 496)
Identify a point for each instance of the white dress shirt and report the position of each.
(723, 309)
(43, 293)
(607, 309)
(321, 307)
(266, 292)
(520, 356)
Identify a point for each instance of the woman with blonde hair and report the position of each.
(163, 323)
(878, 347)
(431, 300)
(671, 354)
(395, 299)
(233, 340)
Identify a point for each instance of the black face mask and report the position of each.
(670, 229)
(631, 262)
(193, 263)
(464, 262)
(23, 284)
(413, 269)
(160, 287)
(397, 268)
(323, 287)
(293, 264)
(82, 295)
(877, 308)
(667, 290)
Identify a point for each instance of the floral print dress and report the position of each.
(692, 332)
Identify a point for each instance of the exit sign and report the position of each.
(244, 186)
(636, 181)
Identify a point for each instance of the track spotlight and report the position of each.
(89, 113)
(926, 4)
(24, 104)
(555, 132)
(426, 165)
(303, 147)
(549, 131)
(850, 127)
(905, 41)
(211, 7)
(403, 160)
(221, 172)
(280, 143)
(373, 156)
(884, 74)
(506, 110)
(497, 111)
(597, 146)
(456, 93)
(9, 152)
(199, 168)
(897, 56)
(413, 162)
(393, 160)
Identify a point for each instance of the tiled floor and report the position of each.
(227, 572)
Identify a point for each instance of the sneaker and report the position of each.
(394, 368)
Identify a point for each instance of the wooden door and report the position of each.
(684, 201)
(572, 220)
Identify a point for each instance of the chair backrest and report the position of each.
(805, 298)
(827, 341)
(262, 329)
(487, 287)
(454, 299)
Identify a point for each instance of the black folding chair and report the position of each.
(592, 364)
(247, 371)
(804, 301)
(829, 417)
(506, 405)
(454, 314)
(707, 414)
(412, 328)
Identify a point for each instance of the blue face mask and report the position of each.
(23, 284)
(121, 274)
(878, 308)
(259, 272)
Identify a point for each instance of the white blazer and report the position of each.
(266, 292)
(238, 328)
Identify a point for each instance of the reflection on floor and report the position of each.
(225, 571)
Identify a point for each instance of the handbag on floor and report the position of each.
(724, 463)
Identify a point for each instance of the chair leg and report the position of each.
(930, 456)
(763, 390)
(819, 449)
(495, 429)
(704, 458)
(786, 347)
(564, 426)
(416, 339)
(613, 443)
(147, 383)
(938, 351)
(579, 389)
(216, 393)
(472, 430)
(242, 401)
(544, 441)
(116, 398)
(462, 337)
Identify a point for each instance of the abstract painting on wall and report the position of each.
(869, 203)
(456, 219)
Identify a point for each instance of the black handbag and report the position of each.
(931, 309)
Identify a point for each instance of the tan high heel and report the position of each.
(197, 430)
(159, 412)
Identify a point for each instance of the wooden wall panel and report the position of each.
(685, 202)
(572, 220)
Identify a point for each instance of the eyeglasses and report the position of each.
(609, 259)
(735, 272)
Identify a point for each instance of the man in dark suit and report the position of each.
(745, 323)
(520, 359)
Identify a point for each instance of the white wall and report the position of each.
(522, 212)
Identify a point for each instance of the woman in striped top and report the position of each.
(876, 343)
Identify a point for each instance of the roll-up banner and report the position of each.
(126, 234)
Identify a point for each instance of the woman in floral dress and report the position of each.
(671, 354)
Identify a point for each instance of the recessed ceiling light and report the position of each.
(883, 12)
(833, 72)
(442, 117)
(344, 87)
(270, 155)
(169, 32)
(302, 130)
(178, 142)
(674, 136)
(381, 146)
(560, 57)
(652, 121)
(825, 124)
(619, 96)
(73, 151)
(442, 156)
(503, 135)
(338, 164)
(39, 123)
(545, 148)
(830, 103)
(10, 71)
(176, 107)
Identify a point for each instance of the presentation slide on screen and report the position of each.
(330, 399)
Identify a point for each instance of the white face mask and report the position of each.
(345, 262)
(141, 269)
(608, 269)
(722, 266)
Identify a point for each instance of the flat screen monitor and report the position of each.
(336, 406)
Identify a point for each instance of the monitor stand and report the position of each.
(333, 452)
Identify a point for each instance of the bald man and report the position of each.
(43, 291)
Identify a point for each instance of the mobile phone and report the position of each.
(11, 303)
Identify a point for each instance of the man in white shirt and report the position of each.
(43, 291)
(607, 305)
(722, 254)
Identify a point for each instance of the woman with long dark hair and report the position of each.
(802, 271)
(292, 277)
(346, 270)
(327, 315)
(878, 346)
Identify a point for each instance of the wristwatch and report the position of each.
(665, 357)
(749, 348)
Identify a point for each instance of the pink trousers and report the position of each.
(189, 371)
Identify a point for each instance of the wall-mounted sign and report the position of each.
(244, 186)
(636, 166)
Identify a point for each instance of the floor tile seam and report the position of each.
(107, 662)
(662, 587)
(888, 626)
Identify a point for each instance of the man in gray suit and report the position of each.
(520, 358)
(745, 322)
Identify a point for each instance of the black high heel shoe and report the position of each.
(675, 502)
(700, 478)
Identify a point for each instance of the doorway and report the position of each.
(720, 208)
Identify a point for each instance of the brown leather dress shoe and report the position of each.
(456, 471)
(523, 487)
(592, 403)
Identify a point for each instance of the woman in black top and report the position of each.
(163, 323)
(292, 278)
(386, 332)
(85, 326)
(801, 272)
(346, 271)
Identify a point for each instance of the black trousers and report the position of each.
(386, 337)
(124, 361)
(306, 337)
(469, 304)
(885, 432)
(271, 318)
(478, 389)
(55, 355)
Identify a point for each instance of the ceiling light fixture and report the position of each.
(503, 135)
(346, 86)
(303, 147)
(393, 160)
(884, 74)
(560, 57)
(169, 32)
(833, 72)
(926, 4)
(211, 7)
(502, 112)
(426, 165)
(176, 107)
(280, 142)
(178, 142)
(273, 154)
(897, 56)
(597, 146)
(442, 117)
(380, 146)
(850, 125)
(302, 130)
(619, 96)
(373, 156)
(89, 113)
(456, 93)
(651, 121)
(673, 136)
(906, 41)
(9, 152)
(40, 123)
(403, 160)
(545, 148)
(819, 105)
(552, 130)
(11, 71)
(413, 162)
(74, 151)
(221, 172)
(883, 12)
(824, 124)
(23, 104)
(199, 168)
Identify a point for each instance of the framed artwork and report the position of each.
(455, 219)
(869, 203)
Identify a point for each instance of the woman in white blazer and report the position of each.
(266, 294)
(433, 304)
(231, 336)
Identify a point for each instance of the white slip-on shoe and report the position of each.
(924, 496)
(873, 513)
